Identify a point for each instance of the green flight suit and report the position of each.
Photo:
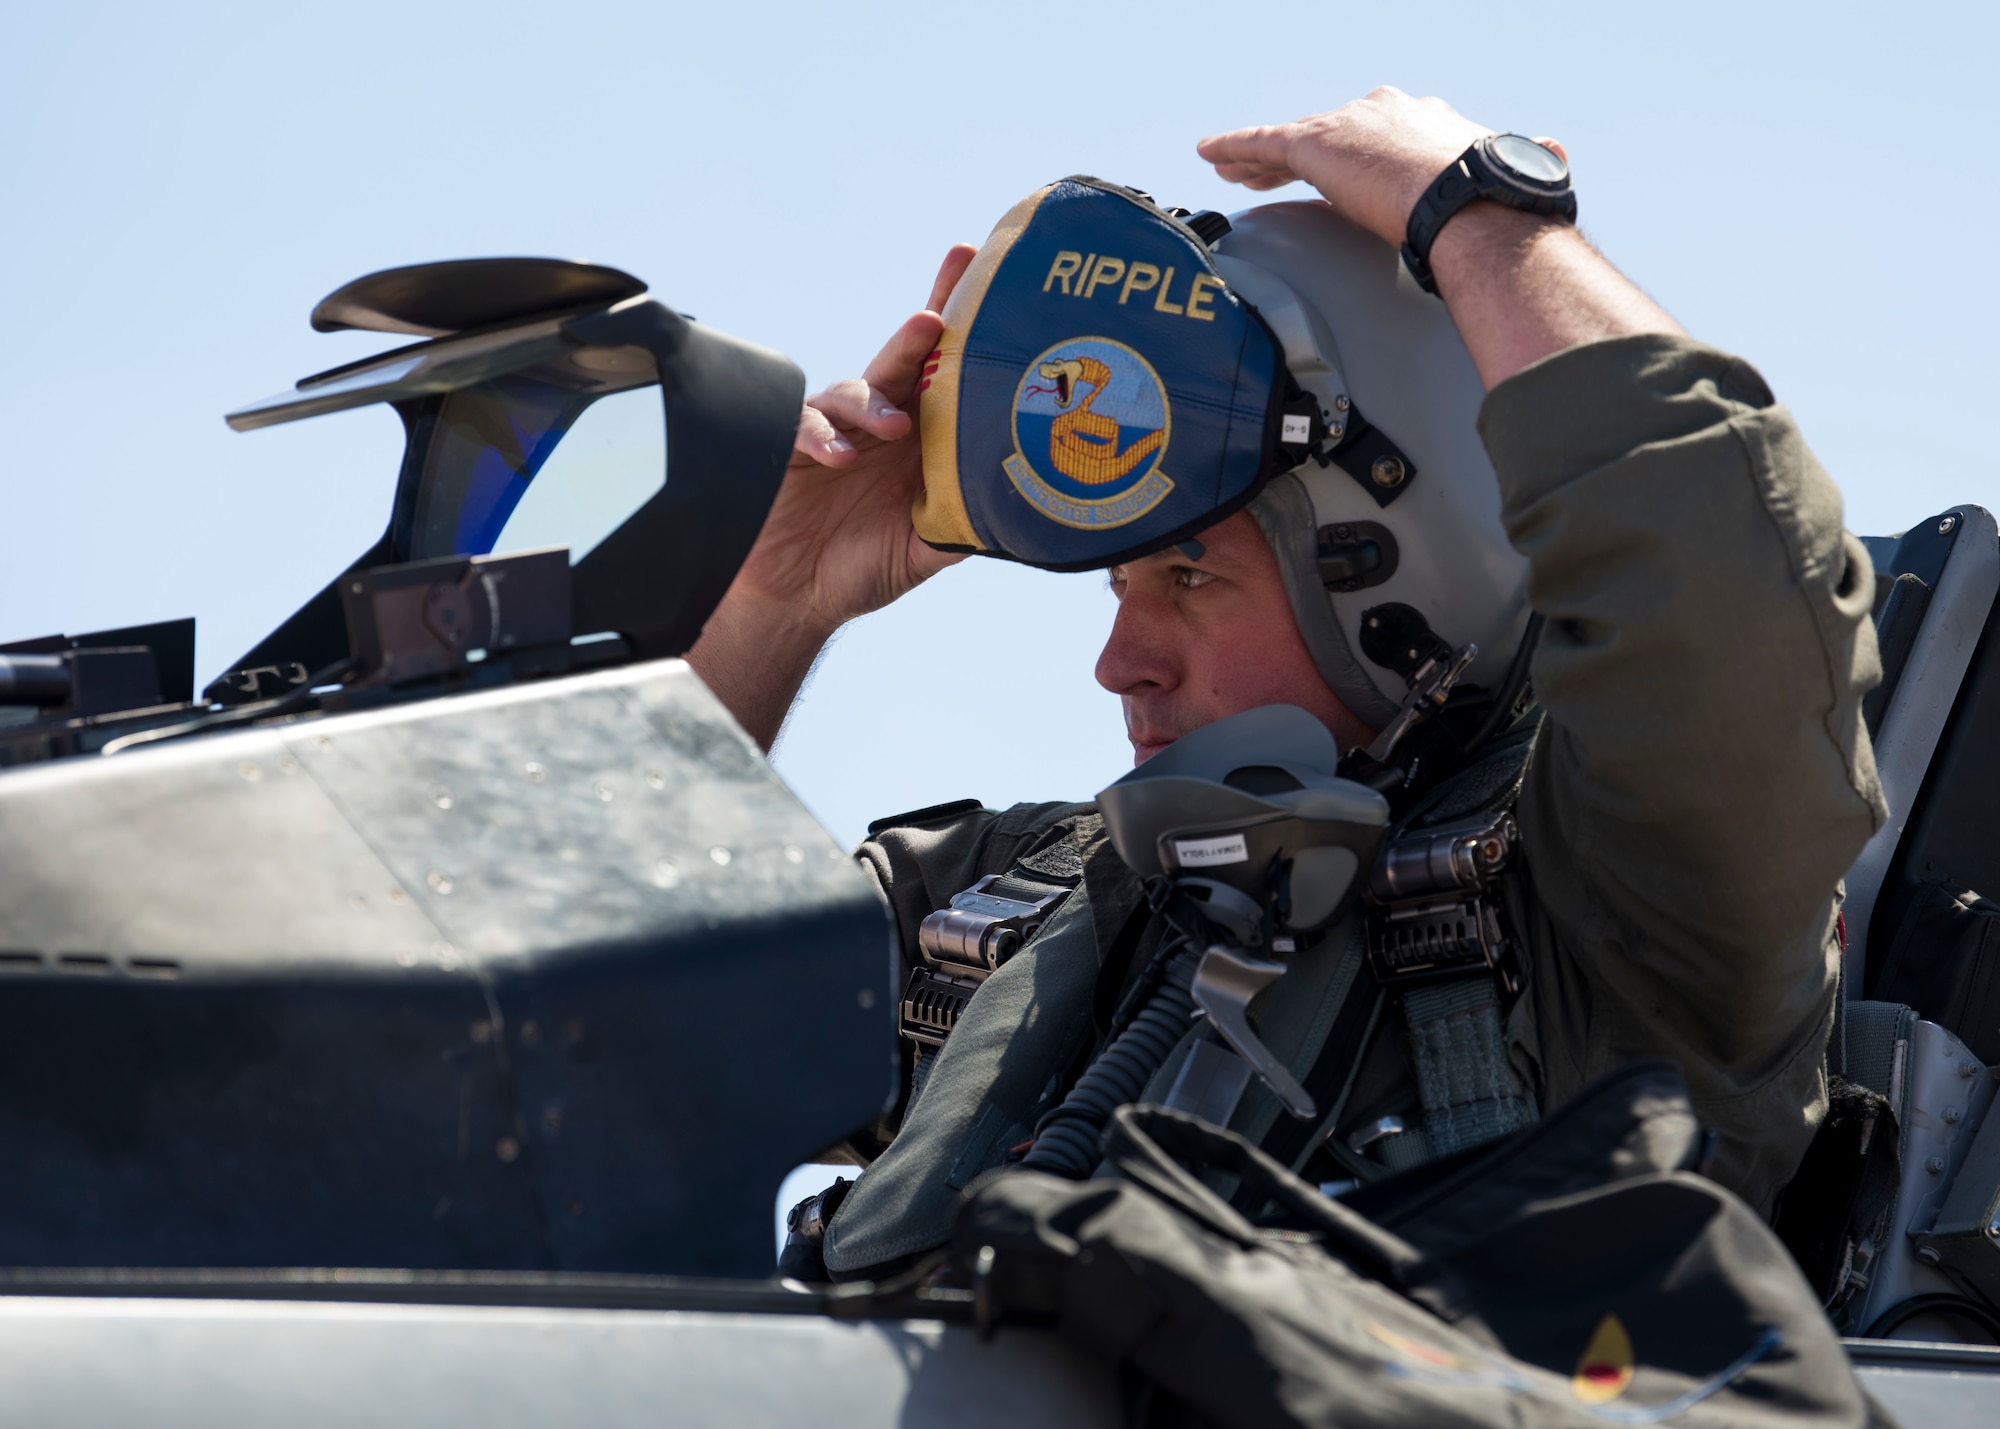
(1699, 785)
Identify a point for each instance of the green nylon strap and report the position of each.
(1458, 1047)
(1469, 1092)
(1023, 890)
(1875, 1031)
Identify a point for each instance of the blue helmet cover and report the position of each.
(1099, 392)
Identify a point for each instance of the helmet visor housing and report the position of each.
(1384, 363)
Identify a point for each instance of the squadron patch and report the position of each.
(1091, 425)
(1091, 348)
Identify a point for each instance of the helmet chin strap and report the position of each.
(1430, 687)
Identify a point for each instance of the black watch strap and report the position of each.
(1472, 176)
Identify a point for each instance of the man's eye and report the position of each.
(1115, 580)
(1189, 578)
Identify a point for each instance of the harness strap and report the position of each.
(1457, 952)
(1027, 890)
(1468, 1089)
(1332, 1073)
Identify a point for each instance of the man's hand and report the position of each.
(838, 541)
(1371, 159)
(1520, 286)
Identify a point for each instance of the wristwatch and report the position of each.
(1507, 168)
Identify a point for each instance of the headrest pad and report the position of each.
(437, 299)
(1099, 392)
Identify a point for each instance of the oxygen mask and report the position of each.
(1248, 839)
(1246, 825)
(1248, 815)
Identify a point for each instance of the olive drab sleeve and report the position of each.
(998, 1071)
(1703, 780)
(918, 861)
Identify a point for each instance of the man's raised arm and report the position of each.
(1705, 779)
(838, 542)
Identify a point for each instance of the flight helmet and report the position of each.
(1387, 367)
(1115, 376)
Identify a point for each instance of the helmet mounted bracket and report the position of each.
(1336, 436)
(1355, 555)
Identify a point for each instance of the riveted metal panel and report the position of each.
(553, 975)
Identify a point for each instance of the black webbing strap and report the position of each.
(1022, 889)
(1345, 1042)
(1116, 975)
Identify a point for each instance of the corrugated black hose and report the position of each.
(1066, 1143)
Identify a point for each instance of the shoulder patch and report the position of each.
(936, 813)
(1062, 856)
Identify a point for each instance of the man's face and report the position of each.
(1196, 641)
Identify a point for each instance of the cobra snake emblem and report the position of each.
(1084, 444)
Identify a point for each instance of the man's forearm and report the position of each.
(755, 656)
(1522, 287)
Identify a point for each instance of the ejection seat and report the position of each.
(1913, 1162)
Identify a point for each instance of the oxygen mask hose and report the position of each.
(1067, 1143)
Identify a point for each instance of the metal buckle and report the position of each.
(961, 946)
(979, 930)
(1435, 937)
(1430, 687)
(932, 1005)
(1433, 917)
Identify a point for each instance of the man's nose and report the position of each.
(1137, 656)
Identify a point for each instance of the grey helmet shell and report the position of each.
(1359, 334)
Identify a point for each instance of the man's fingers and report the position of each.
(949, 272)
(854, 406)
(897, 367)
(819, 439)
(1256, 176)
(1253, 143)
(1239, 173)
(1266, 145)
(1554, 146)
(926, 561)
(874, 403)
(1258, 158)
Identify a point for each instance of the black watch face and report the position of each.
(1528, 159)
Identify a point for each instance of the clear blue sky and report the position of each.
(1808, 185)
